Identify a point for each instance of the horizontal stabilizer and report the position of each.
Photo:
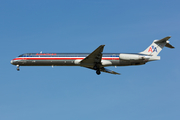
(163, 40)
(169, 45)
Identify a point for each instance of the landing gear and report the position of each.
(18, 68)
(97, 68)
(98, 72)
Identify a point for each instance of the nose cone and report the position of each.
(12, 62)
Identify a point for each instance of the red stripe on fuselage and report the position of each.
(61, 58)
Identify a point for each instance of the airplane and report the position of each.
(96, 60)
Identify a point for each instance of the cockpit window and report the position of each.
(20, 55)
(23, 55)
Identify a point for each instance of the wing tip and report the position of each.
(118, 74)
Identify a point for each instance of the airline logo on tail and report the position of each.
(152, 49)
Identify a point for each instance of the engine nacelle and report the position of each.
(77, 62)
(131, 57)
(106, 62)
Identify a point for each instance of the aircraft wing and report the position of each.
(94, 57)
(108, 71)
(104, 70)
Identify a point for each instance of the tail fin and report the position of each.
(157, 45)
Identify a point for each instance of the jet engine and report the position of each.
(131, 57)
(106, 62)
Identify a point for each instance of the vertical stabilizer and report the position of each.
(155, 48)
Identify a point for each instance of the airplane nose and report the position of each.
(12, 61)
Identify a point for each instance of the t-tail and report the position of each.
(155, 48)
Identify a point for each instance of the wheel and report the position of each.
(98, 72)
(17, 67)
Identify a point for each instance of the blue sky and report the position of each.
(147, 92)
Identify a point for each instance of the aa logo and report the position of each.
(152, 49)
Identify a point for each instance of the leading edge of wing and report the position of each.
(95, 56)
